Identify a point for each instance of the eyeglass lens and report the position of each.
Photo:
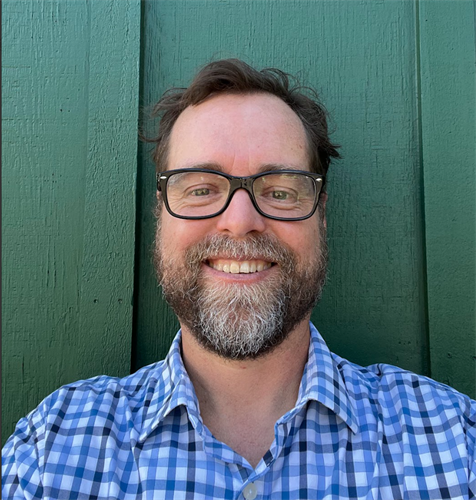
(199, 194)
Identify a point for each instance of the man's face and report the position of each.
(240, 282)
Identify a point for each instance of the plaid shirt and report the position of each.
(362, 433)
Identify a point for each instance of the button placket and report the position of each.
(250, 491)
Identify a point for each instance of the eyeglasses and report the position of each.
(196, 193)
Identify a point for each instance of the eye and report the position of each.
(200, 192)
(280, 195)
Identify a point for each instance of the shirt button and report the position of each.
(250, 491)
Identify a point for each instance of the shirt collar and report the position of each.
(172, 390)
(321, 381)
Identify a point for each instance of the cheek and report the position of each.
(301, 237)
(177, 235)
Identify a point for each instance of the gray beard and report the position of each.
(239, 321)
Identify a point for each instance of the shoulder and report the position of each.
(102, 402)
(395, 390)
(77, 422)
(103, 392)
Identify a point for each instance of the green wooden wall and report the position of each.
(70, 92)
(398, 76)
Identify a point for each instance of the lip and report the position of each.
(245, 266)
(238, 277)
(239, 258)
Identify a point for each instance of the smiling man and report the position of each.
(249, 402)
(232, 271)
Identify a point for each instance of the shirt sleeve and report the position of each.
(471, 440)
(21, 474)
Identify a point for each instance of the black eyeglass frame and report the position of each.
(236, 183)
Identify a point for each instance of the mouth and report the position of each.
(239, 266)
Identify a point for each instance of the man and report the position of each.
(249, 402)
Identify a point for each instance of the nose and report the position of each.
(241, 217)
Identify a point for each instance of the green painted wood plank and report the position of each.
(70, 104)
(361, 56)
(448, 90)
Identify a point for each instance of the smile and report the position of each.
(239, 267)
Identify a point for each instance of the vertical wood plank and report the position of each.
(361, 57)
(70, 104)
(155, 324)
(448, 102)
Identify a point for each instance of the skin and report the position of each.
(242, 135)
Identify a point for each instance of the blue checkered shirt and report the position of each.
(362, 433)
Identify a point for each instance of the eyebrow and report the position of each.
(276, 166)
(268, 167)
(206, 166)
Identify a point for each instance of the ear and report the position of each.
(158, 206)
(322, 207)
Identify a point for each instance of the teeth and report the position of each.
(245, 268)
(236, 267)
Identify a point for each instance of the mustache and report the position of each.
(260, 246)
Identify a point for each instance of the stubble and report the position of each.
(241, 321)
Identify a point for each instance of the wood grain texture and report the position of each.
(155, 324)
(448, 60)
(401, 213)
(70, 105)
(361, 56)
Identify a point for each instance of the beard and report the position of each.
(241, 321)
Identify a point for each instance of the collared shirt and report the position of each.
(355, 433)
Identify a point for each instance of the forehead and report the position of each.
(239, 132)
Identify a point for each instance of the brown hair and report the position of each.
(232, 76)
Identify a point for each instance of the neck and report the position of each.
(240, 401)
